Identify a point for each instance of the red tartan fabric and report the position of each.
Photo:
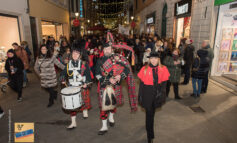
(73, 113)
(86, 99)
(108, 66)
(104, 114)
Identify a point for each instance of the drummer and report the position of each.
(77, 72)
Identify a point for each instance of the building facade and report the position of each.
(213, 20)
(14, 23)
(48, 18)
(186, 18)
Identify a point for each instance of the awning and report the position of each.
(220, 2)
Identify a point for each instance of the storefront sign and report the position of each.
(150, 19)
(76, 22)
(220, 2)
(183, 8)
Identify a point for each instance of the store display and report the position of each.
(2, 59)
(233, 67)
(224, 56)
(227, 33)
(234, 56)
(225, 45)
(222, 67)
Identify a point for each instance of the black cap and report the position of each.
(154, 54)
(105, 45)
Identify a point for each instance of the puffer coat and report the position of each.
(44, 67)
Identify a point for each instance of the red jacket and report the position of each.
(147, 79)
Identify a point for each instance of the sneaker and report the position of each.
(19, 99)
(24, 84)
(1, 115)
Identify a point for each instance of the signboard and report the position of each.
(76, 22)
(220, 2)
(183, 8)
(150, 19)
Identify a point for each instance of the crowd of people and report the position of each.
(110, 59)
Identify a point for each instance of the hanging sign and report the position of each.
(76, 22)
(183, 8)
(220, 2)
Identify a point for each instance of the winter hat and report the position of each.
(11, 51)
(106, 45)
(154, 55)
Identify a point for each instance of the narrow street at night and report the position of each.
(175, 122)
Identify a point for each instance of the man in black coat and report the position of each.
(188, 59)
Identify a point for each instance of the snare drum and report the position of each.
(71, 98)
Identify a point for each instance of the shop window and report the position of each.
(9, 33)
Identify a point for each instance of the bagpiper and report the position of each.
(110, 70)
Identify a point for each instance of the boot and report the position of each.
(178, 97)
(55, 95)
(111, 119)
(73, 124)
(85, 114)
(50, 101)
(150, 140)
(104, 128)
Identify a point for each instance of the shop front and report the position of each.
(52, 29)
(150, 23)
(225, 61)
(10, 33)
(182, 21)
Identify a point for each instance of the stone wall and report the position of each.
(202, 23)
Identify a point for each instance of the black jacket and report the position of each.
(152, 96)
(201, 64)
(188, 55)
(17, 65)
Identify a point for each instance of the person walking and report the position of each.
(173, 64)
(14, 68)
(44, 67)
(152, 93)
(22, 54)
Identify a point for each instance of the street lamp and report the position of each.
(76, 14)
(132, 17)
(88, 21)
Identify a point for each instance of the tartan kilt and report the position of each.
(118, 95)
(85, 93)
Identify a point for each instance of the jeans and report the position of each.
(25, 76)
(199, 82)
